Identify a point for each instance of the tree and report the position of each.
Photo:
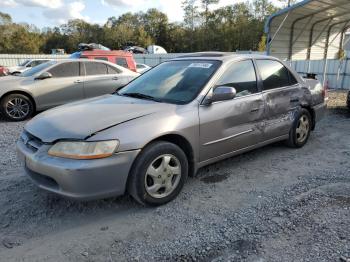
(287, 2)
(156, 25)
(229, 28)
(263, 9)
(5, 19)
(191, 16)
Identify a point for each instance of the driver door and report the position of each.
(231, 125)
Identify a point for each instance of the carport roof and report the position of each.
(311, 29)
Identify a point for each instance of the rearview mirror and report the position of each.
(221, 93)
(43, 76)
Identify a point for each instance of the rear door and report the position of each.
(281, 93)
(101, 79)
(65, 85)
(235, 124)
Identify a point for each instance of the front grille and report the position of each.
(30, 141)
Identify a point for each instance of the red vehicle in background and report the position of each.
(92, 51)
(3, 71)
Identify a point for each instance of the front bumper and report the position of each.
(77, 179)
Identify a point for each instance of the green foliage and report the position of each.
(234, 27)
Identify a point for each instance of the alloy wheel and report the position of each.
(17, 108)
(303, 129)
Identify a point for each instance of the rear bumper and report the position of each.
(320, 111)
(77, 179)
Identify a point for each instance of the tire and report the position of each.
(151, 181)
(301, 129)
(23, 111)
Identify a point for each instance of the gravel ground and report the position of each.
(337, 99)
(272, 204)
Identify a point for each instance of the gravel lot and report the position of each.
(272, 204)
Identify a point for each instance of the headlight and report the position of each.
(84, 150)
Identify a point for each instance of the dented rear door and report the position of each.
(282, 96)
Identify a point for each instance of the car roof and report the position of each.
(98, 52)
(83, 60)
(33, 59)
(222, 56)
(92, 60)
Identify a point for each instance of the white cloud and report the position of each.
(57, 11)
(8, 3)
(65, 12)
(35, 3)
(122, 3)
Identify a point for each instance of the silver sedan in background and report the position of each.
(175, 118)
(59, 82)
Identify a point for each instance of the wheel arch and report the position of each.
(313, 115)
(21, 93)
(184, 144)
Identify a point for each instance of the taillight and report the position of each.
(325, 90)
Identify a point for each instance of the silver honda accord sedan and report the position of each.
(183, 114)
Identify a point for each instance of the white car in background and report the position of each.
(141, 68)
(25, 65)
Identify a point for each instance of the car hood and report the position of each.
(83, 119)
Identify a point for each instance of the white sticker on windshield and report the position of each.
(200, 65)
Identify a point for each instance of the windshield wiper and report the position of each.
(141, 96)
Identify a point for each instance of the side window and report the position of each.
(93, 68)
(122, 62)
(273, 74)
(68, 69)
(101, 58)
(292, 79)
(241, 76)
(37, 62)
(112, 70)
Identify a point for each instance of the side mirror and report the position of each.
(43, 76)
(221, 93)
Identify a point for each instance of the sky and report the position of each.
(43, 13)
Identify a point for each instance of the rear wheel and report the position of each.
(301, 129)
(16, 107)
(158, 174)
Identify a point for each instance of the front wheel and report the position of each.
(158, 174)
(16, 107)
(301, 129)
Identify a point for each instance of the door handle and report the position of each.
(255, 110)
(294, 100)
(115, 78)
(78, 81)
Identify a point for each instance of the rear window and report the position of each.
(93, 68)
(122, 62)
(101, 58)
(68, 69)
(112, 70)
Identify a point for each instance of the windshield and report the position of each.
(34, 70)
(177, 82)
(23, 63)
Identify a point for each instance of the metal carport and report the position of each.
(309, 30)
